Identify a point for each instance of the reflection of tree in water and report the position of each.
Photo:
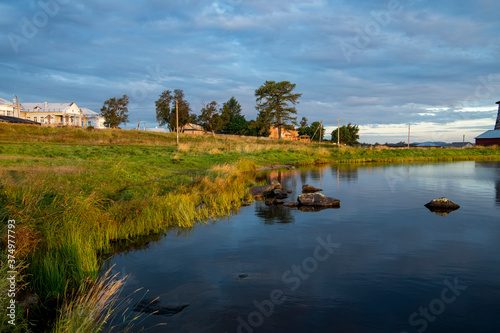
(274, 214)
(493, 165)
(497, 188)
(347, 172)
(314, 173)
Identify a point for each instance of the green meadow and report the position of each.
(75, 193)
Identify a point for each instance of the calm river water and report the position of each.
(382, 262)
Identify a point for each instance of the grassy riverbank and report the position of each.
(73, 193)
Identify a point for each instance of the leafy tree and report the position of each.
(115, 111)
(210, 117)
(273, 100)
(311, 130)
(229, 110)
(305, 129)
(303, 122)
(254, 128)
(348, 134)
(166, 112)
(164, 109)
(314, 128)
(261, 125)
(238, 125)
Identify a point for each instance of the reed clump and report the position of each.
(92, 306)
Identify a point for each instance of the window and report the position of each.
(90, 123)
(42, 119)
(35, 118)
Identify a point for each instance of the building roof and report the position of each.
(459, 144)
(492, 134)
(5, 102)
(192, 127)
(14, 120)
(89, 113)
(430, 144)
(44, 107)
(156, 129)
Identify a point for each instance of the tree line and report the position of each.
(275, 105)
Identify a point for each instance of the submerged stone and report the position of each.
(153, 306)
(318, 200)
(442, 206)
(442, 203)
(279, 194)
(265, 190)
(310, 189)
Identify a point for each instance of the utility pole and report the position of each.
(17, 108)
(338, 132)
(320, 129)
(177, 120)
(464, 139)
(409, 136)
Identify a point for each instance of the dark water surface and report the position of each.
(381, 263)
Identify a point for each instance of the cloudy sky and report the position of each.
(384, 65)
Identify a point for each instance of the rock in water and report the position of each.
(442, 206)
(153, 306)
(279, 194)
(442, 203)
(318, 200)
(278, 202)
(310, 189)
(265, 190)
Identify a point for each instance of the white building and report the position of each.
(7, 108)
(52, 114)
(91, 118)
(55, 114)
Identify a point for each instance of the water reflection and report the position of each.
(495, 169)
(441, 211)
(274, 214)
(314, 209)
(345, 172)
(394, 256)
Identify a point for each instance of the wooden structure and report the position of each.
(285, 134)
(192, 129)
(304, 138)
